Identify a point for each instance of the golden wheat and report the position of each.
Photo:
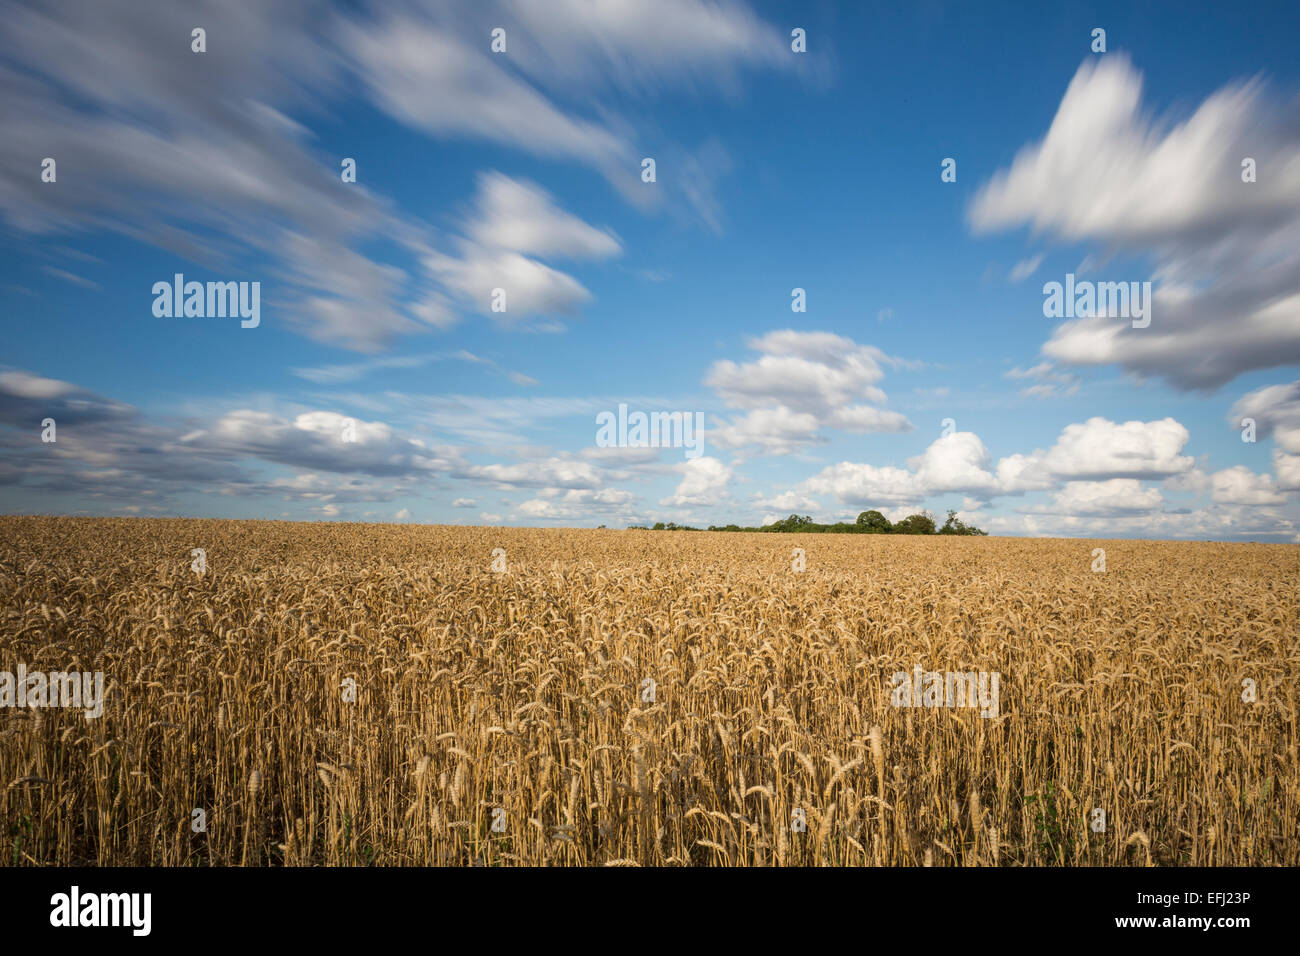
(345, 694)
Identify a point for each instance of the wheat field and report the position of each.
(346, 694)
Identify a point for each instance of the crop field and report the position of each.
(393, 695)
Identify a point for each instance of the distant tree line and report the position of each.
(869, 522)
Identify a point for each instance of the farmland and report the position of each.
(346, 694)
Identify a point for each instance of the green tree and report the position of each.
(792, 523)
(955, 525)
(922, 523)
(873, 522)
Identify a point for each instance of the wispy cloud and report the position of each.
(1023, 269)
(1226, 250)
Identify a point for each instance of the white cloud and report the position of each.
(955, 462)
(864, 418)
(1194, 481)
(804, 371)
(518, 215)
(1115, 496)
(1276, 411)
(1052, 380)
(433, 70)
(866, 485)
(316, 440)
(204, 164)
(556, 503)
(704, 482)
(787, 501)
(26, 398)
(1023, 269)
(1099, 448)
(777, 431)
(546, 473)
(1287, 469)
(1240, 486)
(642, 44)
(803, 382)
(1158, 181)
(328, 487)
(539, 508)
(210, 165)
(514, 221)
(1213, 522)
(1097, 468)
(530, 287)
(424, 75)
(1227, 275)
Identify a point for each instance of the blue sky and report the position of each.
(775, 170)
